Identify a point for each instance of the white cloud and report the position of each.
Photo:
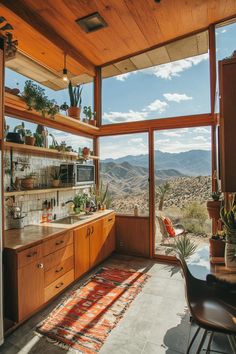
(173, 69)
(199, 138)
(157, 105)
(122, 77)
(178, 146)
(172, 134)
(118, 117)
(177, 97)
(224, 31)
(202, 130)
(136, 140)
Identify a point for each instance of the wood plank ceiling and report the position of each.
(46, 29)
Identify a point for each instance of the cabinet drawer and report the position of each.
(29, 255)
(59, 270)
(109, 220)
(54, 259)
(58, 285)
(57, 243)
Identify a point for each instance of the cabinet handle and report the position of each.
(88, 231)
(59, 285)
(92, 230)
(32, 254)
(110, 219)
(58, 270)
(59, 242)
(40, 265)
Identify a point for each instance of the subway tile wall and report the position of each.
(32, 204)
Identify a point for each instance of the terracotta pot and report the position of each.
(217, 248)
(30, 140)
(27, 183)
(213, 208)
(55, 183)
(74, 112)
(93, 122)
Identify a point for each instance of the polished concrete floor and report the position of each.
(156, 322)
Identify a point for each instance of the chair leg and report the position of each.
(193, 339)
(232, 343)
(202, 342)
(208, 350)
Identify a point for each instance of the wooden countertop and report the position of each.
(31, 235)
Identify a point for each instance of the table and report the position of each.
(200, 266)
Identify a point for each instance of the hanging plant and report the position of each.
(36, 99)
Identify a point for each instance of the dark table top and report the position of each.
(200, 266)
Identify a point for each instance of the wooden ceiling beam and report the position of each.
(35, 21)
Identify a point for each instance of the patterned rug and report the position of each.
(84, 320)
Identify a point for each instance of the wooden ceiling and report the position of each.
(46, 29)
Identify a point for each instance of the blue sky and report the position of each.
(173, 89)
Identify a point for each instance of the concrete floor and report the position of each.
(156, 322)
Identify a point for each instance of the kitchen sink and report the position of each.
(72, 219)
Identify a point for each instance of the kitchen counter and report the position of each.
(31, 235)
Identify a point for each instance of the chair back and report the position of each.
(162, 226)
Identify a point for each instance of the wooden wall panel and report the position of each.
(132, 235)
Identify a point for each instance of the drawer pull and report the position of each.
(92, 230)
(58, 270)
(59, 285)
(59, 242)
(110, 219)
(40, 265)
(32, 254)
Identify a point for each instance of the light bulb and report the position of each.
(65, 77)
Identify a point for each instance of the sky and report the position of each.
(174, 89)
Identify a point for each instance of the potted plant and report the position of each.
(89, 115)
(29, 138)
(183, 247)
(86, 152)
(79, 201)
(56, 178)
(64, 107)
(217, 244)
(228, 218)
(75, 94)
(28, 181)
(36, 99)
(213, 206)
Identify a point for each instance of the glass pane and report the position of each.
(182, 186)
(124, 166)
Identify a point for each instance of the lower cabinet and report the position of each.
(37, 274)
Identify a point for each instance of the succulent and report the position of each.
(56, 174)
(183, 247)
(229, 220)
(89, 114)
(75, 94)
(216, 195)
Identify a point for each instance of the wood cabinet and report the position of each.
(227, 89)
(35, 275)
(81, 244)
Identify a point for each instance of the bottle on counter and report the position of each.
(49, 213)
(136, 210)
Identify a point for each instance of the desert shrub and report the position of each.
(194, 217)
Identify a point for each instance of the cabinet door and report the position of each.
(96, 242)
(81, 249)
(109, 235)
(30, 288)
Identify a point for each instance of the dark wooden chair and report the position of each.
(209, 310)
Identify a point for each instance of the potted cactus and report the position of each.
(213, 206)
(75, 94)
(56, 178)
(228, 218)
(29, 138)
(90, 116)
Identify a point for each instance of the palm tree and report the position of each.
(162, 191)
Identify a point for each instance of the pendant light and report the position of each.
(65, 72)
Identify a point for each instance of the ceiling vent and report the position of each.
(91, 23)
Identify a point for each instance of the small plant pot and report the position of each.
(217, 248)
(27, 183)
(230, 255)
(30, 140)
(55, 183)
(93, 122)
(213, 208)
(74, 112)
(77, 210)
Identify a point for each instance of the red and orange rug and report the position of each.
(84, 320)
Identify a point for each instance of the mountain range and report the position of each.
(189, 163)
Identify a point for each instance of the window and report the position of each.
(124, 167)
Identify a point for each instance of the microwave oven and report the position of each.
(76, 174)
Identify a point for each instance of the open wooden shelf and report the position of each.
(16, 107)
(35, 150)
(41, 191)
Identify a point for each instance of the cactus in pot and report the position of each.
(228, 218)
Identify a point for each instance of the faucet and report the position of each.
(69, 201)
